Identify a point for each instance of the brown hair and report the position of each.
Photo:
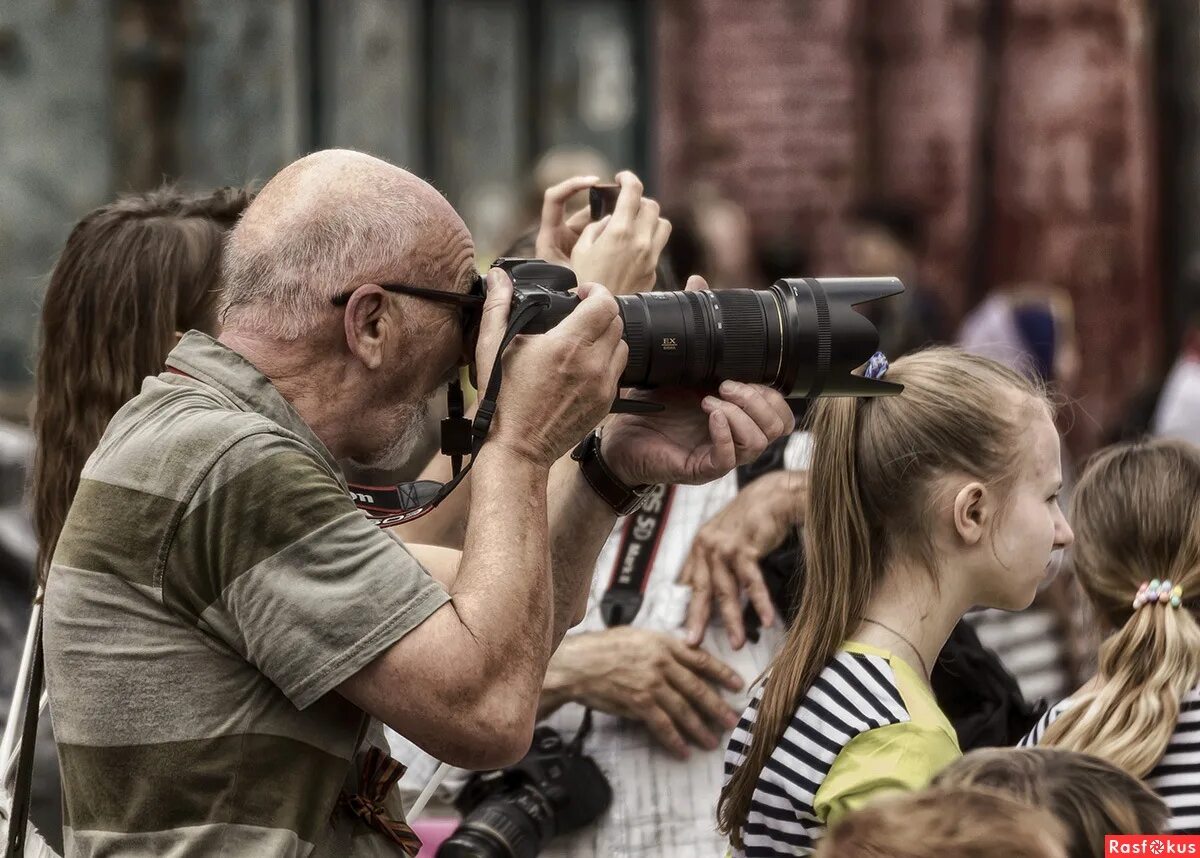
(1136, 515)
(132, 273)
(1090, 796)
(965, 823)
(874, 465)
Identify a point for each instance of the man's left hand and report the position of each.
(696, 438)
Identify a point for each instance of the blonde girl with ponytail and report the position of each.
(922, 506)
(1136, 511)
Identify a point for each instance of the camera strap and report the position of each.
(640, 539)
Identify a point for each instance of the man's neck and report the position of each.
(907, 601)
(310, 386)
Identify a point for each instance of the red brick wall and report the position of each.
(797, 107)
(758, 96)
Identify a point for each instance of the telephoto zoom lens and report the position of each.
(801, 336)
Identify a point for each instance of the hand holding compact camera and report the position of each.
(615, 241)
(621, 246)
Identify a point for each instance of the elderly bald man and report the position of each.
(223, 628)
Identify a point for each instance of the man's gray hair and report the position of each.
(304, 242)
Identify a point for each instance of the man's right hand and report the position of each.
(557, 385)
(649, 677)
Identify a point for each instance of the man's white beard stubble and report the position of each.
(410, 421)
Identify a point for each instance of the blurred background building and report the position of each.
(1047, 141)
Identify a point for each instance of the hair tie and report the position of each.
(877, 366)
(1158, 592)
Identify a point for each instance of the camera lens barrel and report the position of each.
(801, 336)
(514, 825)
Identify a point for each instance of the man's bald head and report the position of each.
(326, 224)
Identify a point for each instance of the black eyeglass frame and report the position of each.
(470, 300)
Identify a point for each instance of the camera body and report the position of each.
(541, 283)
(514, 812)
(801, 336)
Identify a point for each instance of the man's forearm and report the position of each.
(502, 590)
(579, 523)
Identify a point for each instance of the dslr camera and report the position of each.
(513, 813)
(800, 336)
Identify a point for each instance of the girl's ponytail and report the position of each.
(1136, 514)
(1145, 668)
(834, 594)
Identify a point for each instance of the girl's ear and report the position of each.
(972, 512)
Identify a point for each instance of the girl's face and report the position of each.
(1025, 534)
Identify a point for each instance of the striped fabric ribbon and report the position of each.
(377, 776)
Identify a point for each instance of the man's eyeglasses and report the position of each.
(469, 303)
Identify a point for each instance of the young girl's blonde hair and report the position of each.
(873, 469)
(935, 823)
(1136, 515)
(1090, 796)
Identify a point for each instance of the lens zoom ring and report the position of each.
(745, 325)
(639, 345)
(698, 343)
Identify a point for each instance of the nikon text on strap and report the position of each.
(640, 538)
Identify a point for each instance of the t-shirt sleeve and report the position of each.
(272, 557)
(895, 758)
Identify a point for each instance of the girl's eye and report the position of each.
(1053, 498)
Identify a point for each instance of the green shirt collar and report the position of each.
(201, 357)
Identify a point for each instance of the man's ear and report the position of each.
(367, 324)
(972, 512)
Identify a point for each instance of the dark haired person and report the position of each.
(133, 277)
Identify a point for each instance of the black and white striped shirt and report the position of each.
(857, 695)
(1176, 778)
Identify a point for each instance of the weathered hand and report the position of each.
(557, 385)
(649, 677)
(695, 438)
(723, 561)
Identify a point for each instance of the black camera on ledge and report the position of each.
(800, 336)
(513, 813)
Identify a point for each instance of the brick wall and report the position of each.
(797, 108)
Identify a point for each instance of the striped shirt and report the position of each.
(1176, 777)
(212, 585)
(867, 727)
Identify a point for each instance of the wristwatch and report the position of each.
(622, 498)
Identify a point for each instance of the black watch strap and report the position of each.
(622, 498)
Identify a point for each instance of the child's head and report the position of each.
(965, 823)
(1089, 796)
(958, 476)
(1136, 511)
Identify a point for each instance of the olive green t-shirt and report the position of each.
(212, 586)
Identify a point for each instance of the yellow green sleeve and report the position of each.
(896, 758)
